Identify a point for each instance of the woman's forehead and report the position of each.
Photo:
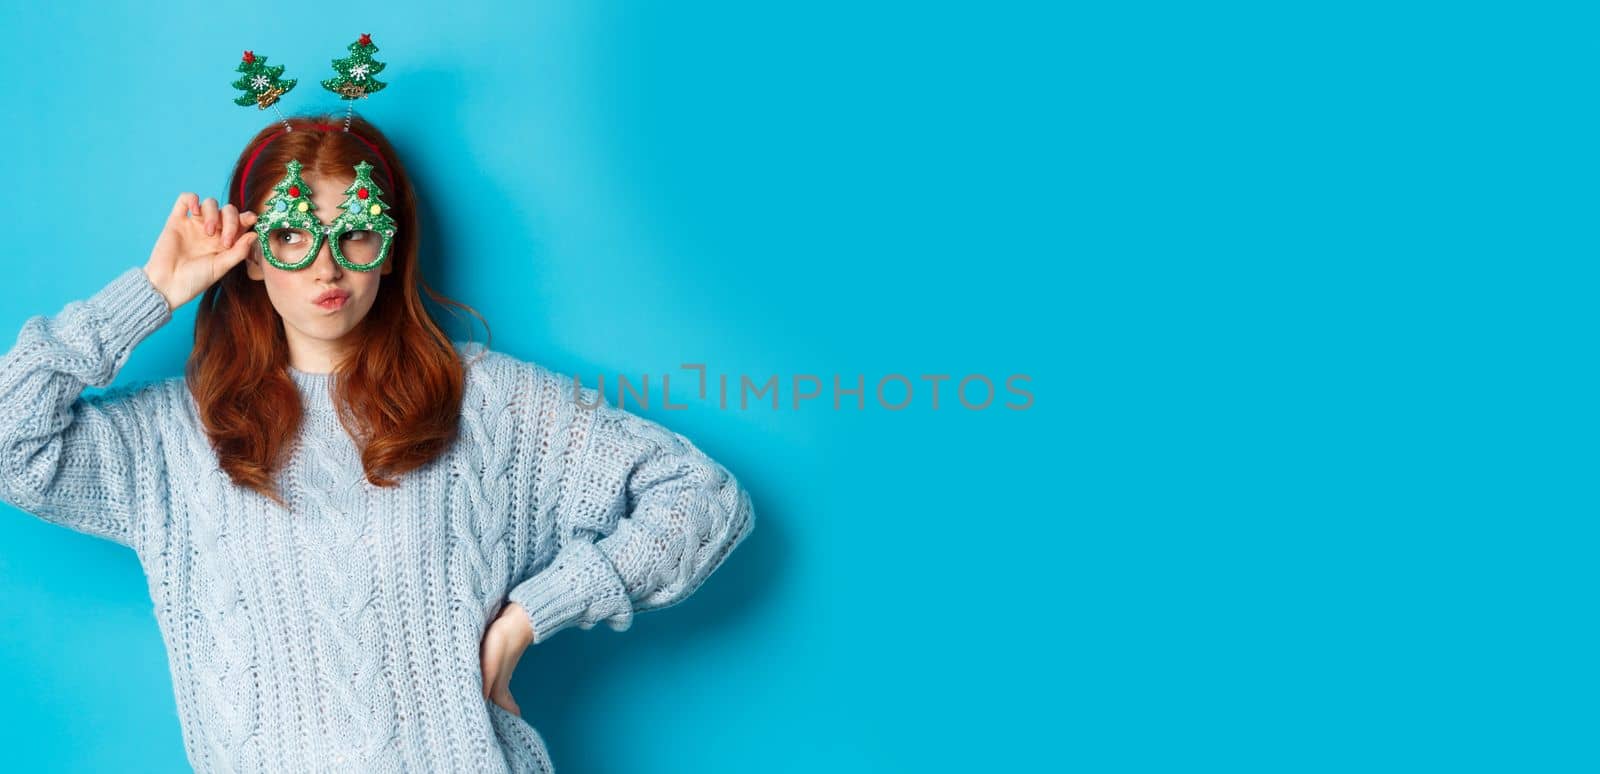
(321, 184)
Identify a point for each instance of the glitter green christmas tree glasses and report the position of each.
(291, 236)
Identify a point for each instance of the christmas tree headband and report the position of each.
(362, 234)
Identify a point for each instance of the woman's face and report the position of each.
(294, 293)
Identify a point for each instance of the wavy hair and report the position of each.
(398, 389)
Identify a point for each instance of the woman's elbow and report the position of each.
(733, 518)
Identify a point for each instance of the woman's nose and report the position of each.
(325, 266)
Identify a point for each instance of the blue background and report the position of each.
(1304, 294)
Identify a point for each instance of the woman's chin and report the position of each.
(326, 327)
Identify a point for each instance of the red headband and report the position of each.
(245, 175)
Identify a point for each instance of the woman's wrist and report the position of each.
(164, 294)
(515, 619)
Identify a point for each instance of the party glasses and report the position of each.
(360, 237)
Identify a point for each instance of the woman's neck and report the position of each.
(311, 356)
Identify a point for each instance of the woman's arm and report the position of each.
(644, 517)
(82, 462)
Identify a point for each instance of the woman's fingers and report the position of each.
(489, 665)
(235, 224)
(503, 697)
(230, 224)
(239, 248)
(499, 656)
(187, 203)
(210, 218)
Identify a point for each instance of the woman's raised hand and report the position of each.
(198, 244)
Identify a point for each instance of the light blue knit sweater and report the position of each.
(343, 634)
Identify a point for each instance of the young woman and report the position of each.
(352, 526)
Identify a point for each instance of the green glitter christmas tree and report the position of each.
(355, 72)
(261, 83)
(289, 207)
(363, 208)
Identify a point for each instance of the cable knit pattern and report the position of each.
(610, 563)
(343, 634)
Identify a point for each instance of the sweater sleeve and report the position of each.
(73, 460)
(644, 517)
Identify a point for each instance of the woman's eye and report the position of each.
(356, 236)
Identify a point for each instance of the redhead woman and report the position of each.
(352, 526)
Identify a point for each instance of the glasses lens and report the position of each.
(289, 245)
(360, 246)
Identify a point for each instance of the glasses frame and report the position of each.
(372, 217)
(320, 232)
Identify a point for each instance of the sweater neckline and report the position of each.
(308, 378)
(313, 389)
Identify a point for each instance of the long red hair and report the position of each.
(399, 390)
